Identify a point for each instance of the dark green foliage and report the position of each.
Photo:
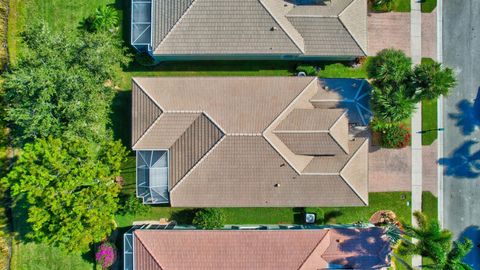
(134, 206)
(390, 67)
(69, 189)
(209, 218)
(63, 85)
(309, 70)
(391, 104)
(431, 80)
(433, 242)
(105, 19)
(456, 255)
(395, 136)
(384, 5)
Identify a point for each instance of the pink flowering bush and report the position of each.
(106, 255)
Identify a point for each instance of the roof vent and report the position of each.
(274, 28)
(276, 185)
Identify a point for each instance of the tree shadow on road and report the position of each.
(472, 258)
(468, 116)
(462, 162)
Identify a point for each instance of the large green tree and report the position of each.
(69, 188)
(63, 85)
(431, 80)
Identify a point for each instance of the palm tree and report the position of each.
(455, 257)
(432, 242)
(388, 4)
(391, 104)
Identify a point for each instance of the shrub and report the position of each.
(106, 255)
(396, 136)
(309, 70)
(209, 219)
(133, 206)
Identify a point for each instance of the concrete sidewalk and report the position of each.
(416, 54)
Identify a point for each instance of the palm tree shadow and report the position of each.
(472, 258)
(468, 116)
(462, 162)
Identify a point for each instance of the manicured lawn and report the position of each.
(31, 256)
(339, 70)
(397, 6)
(428, 5)
(430, 205)
(429, 121)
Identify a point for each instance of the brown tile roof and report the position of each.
(269, 249)
(227, 144)
(232, 27)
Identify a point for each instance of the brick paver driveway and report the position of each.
(390, 169)
(392, 30)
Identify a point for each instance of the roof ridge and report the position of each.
(345, 166)
(348, 30)
(197, 164)
(176, 23)
(154, 103)
(149, 252)
(302, 50)
(315, 247)
(333, 125)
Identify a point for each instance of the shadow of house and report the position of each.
(472, 258)
(468, 116)
(365, 248)
(462, 162)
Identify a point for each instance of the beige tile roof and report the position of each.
(265, 249)
(261, 27)
(227, 144)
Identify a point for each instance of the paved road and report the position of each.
(461, 50)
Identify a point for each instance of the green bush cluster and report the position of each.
(397, 87)
(395, 136)
(133, 206)
(209, 219)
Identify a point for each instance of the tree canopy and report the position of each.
(390, 67)
(69, 189)
(209, 218)
(62, 85)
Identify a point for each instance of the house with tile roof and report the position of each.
(304, 249)
(245, 142)
(250, 29)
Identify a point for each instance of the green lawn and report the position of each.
(397, 6)
(339, 70)
(429, 121)
(428, 5)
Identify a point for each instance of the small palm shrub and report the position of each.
(431, 80)
(309, 70)
(209, 219)
(105, 19)
(395, 136)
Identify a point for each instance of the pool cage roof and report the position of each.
(141, 28)
(152, 176)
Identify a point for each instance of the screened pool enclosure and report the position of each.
(152, 176)
(141, 28)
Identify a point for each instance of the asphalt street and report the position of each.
(461, 51)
